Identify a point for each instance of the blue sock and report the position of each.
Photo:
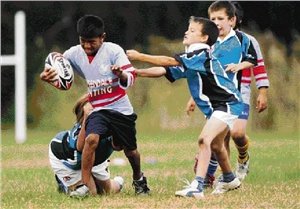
(228, 177)
(200, 182)
(213, 165)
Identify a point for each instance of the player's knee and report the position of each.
(238, 134)
(130, 153)
(202, 141)
(215, 148)
(92, 140)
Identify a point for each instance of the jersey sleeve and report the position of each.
(59, 136)
(71, 55)
(259, 71)
(73, 136)
(126, 66)
(174, 73)
(193, 60)
(249, 53)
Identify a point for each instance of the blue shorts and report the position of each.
(245, 112)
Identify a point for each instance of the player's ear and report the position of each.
(205, 38)
(103, 36)
(234, 22)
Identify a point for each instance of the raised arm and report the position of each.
(152, 59)
(152, 72)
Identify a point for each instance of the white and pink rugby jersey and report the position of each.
(259, 72)
(105, 89)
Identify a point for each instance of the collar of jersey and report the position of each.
(230, 34)
(196, 46)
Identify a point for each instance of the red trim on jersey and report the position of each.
(260, 60)
(134, 75)
(124, 67)
(246, 72)
(115, 92)
(90, 57)
(109, 102)
(262, 78)
(246, 81)
(259, 70)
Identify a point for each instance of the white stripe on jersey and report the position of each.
(56, 140)
(261, 75)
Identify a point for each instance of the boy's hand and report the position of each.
(262, 101)
(132, 54)
(190, 106)
(233, 68)
(116, 70)
(49, 74)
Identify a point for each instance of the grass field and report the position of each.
(28, 182)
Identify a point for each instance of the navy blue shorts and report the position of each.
(110, 122)
(245, 112)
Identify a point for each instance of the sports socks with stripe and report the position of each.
(243, 152)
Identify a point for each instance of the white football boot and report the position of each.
(120, 181)
(222, 187)
(242, 170)
(80, 191)
(191, 190)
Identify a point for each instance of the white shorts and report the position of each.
(70, 177)
(225, 117)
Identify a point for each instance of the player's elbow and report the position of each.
(171, 62)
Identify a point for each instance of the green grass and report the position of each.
(27, 180)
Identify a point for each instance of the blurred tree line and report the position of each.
(51, 26)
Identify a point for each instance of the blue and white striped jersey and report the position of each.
(235, 48)
(208, 83)
(63, 146)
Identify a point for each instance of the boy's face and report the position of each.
(221, 19)
(91, 45)
(194, 34)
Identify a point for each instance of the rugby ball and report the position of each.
(65, 74)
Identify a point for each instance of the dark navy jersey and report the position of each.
(63, 146)
(235, 48)
(208, 83)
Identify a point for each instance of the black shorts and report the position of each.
(107, 122)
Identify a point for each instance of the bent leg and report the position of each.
(108, 186)
(220, 151)
(211, 130)
(227, 143)
(133, 157)
(105, 185)
(88, 158)
(241, 140)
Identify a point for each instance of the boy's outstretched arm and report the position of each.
(152, 59)
(152, 72)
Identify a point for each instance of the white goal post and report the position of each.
(19, 61)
